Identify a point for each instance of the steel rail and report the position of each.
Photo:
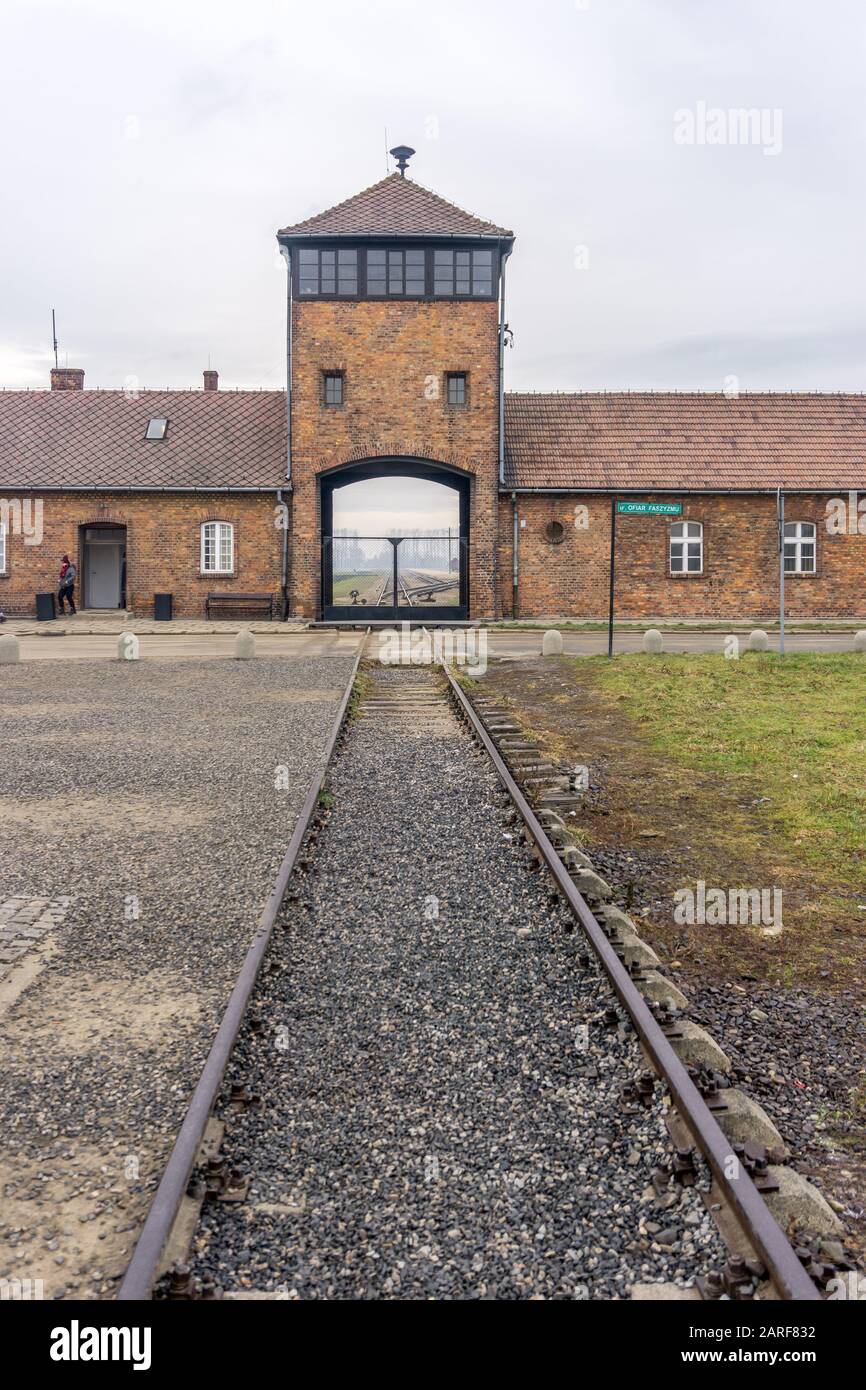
(142, 1269)
(436, 586)
(401, 581)
(750, 1210)
(389, 579)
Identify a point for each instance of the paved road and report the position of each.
(516, 644)
(188, 647)
(505, 644)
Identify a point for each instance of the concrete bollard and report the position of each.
(245, 645)
(759, 641)
(127, 647)
(859, 640)
(551, 644)
(10, 649)
(653, 642)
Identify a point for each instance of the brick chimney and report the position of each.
(211, 380)
(67, 379)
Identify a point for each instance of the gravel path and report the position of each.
(440, 1109)
(139, 802)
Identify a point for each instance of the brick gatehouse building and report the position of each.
(396, 350)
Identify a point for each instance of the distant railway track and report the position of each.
(425, 586)
(412, 585)
(535, 792)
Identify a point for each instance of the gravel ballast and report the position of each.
(140, 801)
(440, 1110)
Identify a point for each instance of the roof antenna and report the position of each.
(54, 336)
(402, 154)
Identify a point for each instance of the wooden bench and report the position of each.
(258, 604)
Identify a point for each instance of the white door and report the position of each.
(103, 576)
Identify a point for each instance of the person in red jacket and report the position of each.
(68, 574)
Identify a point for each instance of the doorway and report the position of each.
(395, 543)
(103, 567)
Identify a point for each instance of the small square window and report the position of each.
(333, 384)
(157, 428)
(457, 388)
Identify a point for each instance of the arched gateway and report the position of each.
(396, 336)
(395, 541)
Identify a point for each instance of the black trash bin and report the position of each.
(45, 608)
(162, 608)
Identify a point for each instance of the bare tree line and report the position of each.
(432, 548)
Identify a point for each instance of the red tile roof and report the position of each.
(215, 439)
(640, 441)
(395, 207)
(685, 441)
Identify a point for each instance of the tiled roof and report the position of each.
(215, 439)
(397, 207)
(640, 440)
(687, 441)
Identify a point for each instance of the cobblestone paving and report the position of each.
(24, 921)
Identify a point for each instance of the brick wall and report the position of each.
(740, 579)
(394, 357)
(162, 547)
(741, 562)
(67, 379)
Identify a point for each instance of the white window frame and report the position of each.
(213, 535)
(797, 535)
(682, 535)
(2, 547)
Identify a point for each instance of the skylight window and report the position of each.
(157, 428)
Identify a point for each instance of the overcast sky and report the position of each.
(150, 150)
(380, 506)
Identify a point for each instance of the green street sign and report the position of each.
(650, 508)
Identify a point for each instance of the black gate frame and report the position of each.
(397, 468)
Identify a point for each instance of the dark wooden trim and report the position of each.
(428, 245)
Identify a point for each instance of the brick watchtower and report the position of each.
(395, 347)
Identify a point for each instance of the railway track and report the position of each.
(406, 595)
(424, 587)
(457, 1011)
